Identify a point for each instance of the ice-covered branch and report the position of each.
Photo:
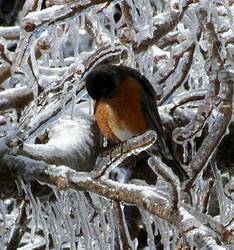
(5, 72)
(166, 173)
(218, 129)
(16, 98)
(163, 23)
(124, 150)
(213, 66)
(189, 96)
(56, 14)
(10, 33)
(184, 65)
(78, 151)
(143, 196)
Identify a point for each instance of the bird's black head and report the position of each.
(102, 82)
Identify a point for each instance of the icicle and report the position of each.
(55, 227)
(165, 233)
(158, 5)
(220, 192)
(76, 39)
(64, 97)
(46, 59)
(193, 147)
(32, 203)
(89, 236)
(54, 46)
(185, 152)
(3, 214)
(112, 227)
(42, 221)
(109, 20)
(130, 242)
(147, 222)
(73, 96)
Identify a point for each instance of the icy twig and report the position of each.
(5, 55)
(127, 17)
(225, 234)
(214, 65)
(29, 6)
(177, 54)
(55, 14)
(5, 72)
(188, 96)
(166, 173)
(206, 195)
(16, 98)
(168, 39)
(193, 229)
(163, 24)
(217, 131)
(10, 33)
(123, 240)
(186, 63)
(134, 146)
(18, 229)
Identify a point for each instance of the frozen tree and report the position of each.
(61, 187)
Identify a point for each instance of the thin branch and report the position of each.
(16, 98)
(188, 96)
(166, 173)
(214, 65)
(217, 132)
(5, 72)
(10, 33)
(56, 14)
(161, 28)
(185, 67)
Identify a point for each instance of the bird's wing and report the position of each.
(150, 111)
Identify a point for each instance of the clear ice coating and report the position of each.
(56, 48)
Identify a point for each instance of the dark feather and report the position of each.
(150, 111)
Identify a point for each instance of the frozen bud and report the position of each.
(29, 27)
(43, 44)
(176, 5)
(126, 35)
(2, 120)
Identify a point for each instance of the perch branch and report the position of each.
(143, 196)
(133, 146)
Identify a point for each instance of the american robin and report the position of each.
(125, 106)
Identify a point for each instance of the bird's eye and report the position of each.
(104, 91)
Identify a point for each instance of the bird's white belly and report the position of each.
(123, 134)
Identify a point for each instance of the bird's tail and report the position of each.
(168, 158)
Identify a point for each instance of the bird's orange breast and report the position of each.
(121, 117)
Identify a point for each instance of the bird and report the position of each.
(125, 105)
